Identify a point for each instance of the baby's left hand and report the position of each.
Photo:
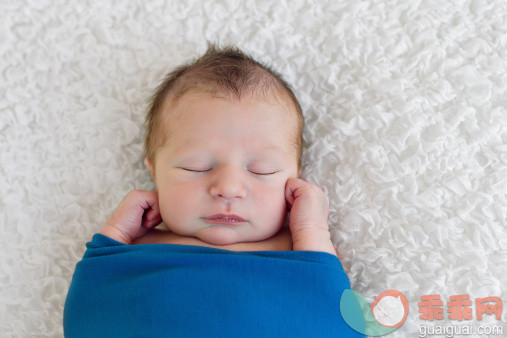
(307, 205)
(308, 216)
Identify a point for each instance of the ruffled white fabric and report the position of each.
(406, 130)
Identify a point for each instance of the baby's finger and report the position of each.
(291, 190)
(289, 198)
(151, 223)
(148, 199)
(152, 218)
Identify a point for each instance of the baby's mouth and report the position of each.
(224, 219)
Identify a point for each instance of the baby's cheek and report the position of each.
(171, 207)
(274, 202)
(165, 210)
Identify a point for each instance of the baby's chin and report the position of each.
(225, 235)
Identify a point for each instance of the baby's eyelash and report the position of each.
(196, 170)
(206, 170)
(263, 174)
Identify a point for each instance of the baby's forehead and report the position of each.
(174, 109)
(270, 96)
(190, 121)
(206, 151)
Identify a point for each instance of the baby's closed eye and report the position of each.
(253, 171)
(195, 170)
(263, 173)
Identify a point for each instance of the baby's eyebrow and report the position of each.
(185, 149)
(277, 149)
(272, 147)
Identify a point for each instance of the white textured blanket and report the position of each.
(406, 131)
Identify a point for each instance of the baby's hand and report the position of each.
(137, 213)
(307, 204)
(308, 216)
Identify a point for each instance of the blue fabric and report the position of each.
(173, 290)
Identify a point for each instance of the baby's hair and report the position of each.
(223, 71)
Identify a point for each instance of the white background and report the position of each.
(406, 131)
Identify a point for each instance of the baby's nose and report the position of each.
(228, 183)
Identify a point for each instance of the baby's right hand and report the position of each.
(137, 213)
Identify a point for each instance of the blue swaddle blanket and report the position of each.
(173, 290)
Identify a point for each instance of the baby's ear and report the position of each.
(148, 165)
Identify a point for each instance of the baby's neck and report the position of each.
(282, 241)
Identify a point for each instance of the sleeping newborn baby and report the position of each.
(224, 149)
(223, 146)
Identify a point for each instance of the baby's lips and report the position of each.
(231, 217)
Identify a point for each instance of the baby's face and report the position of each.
(227, 158)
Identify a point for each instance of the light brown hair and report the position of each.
(225, 71)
